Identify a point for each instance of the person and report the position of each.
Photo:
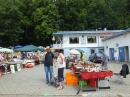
(104, 60)
(61, 66)
(37, 61)
(81, 56)
(116, 56)
(1, 57)
(48, 65)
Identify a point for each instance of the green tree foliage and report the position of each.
(73, 14)
(45, 18)
(10, 29)
(34, 21)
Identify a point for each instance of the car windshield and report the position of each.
(98, 55)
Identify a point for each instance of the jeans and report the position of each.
(60, 74)
(48, 69)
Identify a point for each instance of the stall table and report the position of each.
(6, 64)
(84, 76)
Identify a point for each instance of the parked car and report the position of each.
(95, 57)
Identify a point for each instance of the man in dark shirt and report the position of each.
(48, 66)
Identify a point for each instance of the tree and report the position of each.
(73, 14)
(10, 29)
(45, 18)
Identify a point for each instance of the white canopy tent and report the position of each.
(6, 50)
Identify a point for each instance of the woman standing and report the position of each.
(61, 66)
(81, 56)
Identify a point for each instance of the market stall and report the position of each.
(94, 75)
(31, 48)
(5, 57)
(73, 58)
(10, 67)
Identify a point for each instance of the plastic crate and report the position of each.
(69, 74)
(83, 83)
(71, 81)
(93, 82)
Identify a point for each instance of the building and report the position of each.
(120, 42)
(88, 41)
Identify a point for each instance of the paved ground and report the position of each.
(30, 82)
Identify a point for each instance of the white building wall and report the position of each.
(66, 43)
(85, 47)
(122, 40)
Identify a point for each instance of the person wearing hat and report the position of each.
(104, 60)
(48, 64)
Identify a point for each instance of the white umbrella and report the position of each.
(6, 50)
(74, 52)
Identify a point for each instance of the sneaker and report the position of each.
(47, 82)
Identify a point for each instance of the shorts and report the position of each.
(104, 64)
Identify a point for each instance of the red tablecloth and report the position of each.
(95, 75)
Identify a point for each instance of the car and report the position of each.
(96, 57)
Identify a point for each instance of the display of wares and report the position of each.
(88, 67)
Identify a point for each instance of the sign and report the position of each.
(18, 67)
(12, 69)
(83, 40)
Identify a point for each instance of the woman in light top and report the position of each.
(116, 56)
(61, 66)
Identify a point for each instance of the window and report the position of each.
(74, 40)
(91, 39)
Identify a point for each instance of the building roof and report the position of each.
(87, 32)
(117, 34)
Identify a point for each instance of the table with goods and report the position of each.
(15, 65)
(87, 73)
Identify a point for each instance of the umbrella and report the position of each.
(5, 50)
(28, 48)
(18, 46)
(80, 50)
(74, 52)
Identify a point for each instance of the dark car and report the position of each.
(95, 57)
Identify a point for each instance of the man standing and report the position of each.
(104, 60)
(116, 56)
(48, 66)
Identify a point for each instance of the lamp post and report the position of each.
(53, 39)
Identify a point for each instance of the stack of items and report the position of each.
(28, 65)
(72, 80)
(88, 67)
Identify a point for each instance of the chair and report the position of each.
(122, 74)
(120, 78)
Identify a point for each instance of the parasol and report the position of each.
(74, 52)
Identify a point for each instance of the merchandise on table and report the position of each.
(88, 67)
